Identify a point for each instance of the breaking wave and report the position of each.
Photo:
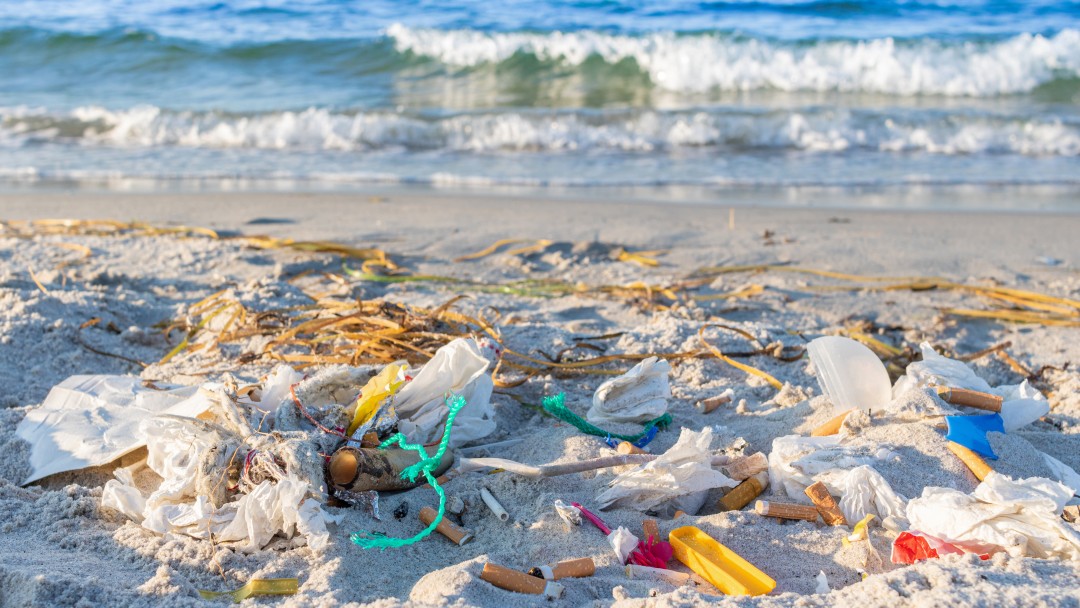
(703, 62)
(815, 130)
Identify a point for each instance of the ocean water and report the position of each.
(544, 94)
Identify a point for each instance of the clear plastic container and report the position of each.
(850, 374)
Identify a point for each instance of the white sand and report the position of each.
(58, 547)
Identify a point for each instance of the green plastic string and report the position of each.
(556, 406)
(424, 466)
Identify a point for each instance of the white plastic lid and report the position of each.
(850, 374)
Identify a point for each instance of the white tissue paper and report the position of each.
(639, 395)
(460, 367)
(680, 476)
(1022, 517)
(796, 462)
(863, 491)
(623, 542)
(88, 421)
(1022, 403)
(1064, 474)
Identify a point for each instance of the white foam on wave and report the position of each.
(696, 63)
(819, 130)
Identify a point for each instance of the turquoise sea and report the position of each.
(550, 94)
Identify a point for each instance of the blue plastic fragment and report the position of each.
(970, 432)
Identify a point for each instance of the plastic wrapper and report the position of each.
(1021, 517)
(639, 395)
(678, 478)
(88, 421)
(461, 368)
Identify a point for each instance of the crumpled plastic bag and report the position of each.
(459, 367)
(910, 547)
(88, 421)
(1022, 405)
(683, 474)
(1021, 517)
(863, 491)
(175, 451)
(639, 395)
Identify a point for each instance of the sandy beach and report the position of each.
(61, 547)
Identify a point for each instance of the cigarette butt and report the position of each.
(786, 510)
(747, 466)
(706, 406)
(651, 529)
(658, 574)
(449, 529)
(571, 568)
(455, 505)
(826, 504)
(975, 399)
(678, 514)
(519, 582)
(831, 427)
(494, 505)
(742, 494)
(977, 465)
(628, 448)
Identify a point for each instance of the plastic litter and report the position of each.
(865, 492)
(850, 374)
(970, 432)
(493, 504)
(374, 395)
(976, 465)
(568, 513)
(720, 566)
(671, 577)
(556, 406)
(365, 469)
(831, 426)
(424, 467)
(1021, 403)
(458, 535)
(826, 505)
(910, 547)
(460, 368)
(679, 478)
(88, 421)
(822, 583)
(1021, 517)
(571, 568)
(256, 587)
(639, 395)
(780, 510)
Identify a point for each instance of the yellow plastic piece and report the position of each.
(256, 586)
(384, 385)
(859, 532)
(722, 567)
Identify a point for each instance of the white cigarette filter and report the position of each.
(658, 574)
(519, 582)
(494, 505)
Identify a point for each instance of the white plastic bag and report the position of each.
(683, 471)
(639, 395)
(88, 421)
(459, 367)
(796, 462)
(1022, 517)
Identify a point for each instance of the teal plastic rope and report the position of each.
(425, 466)
(556, 406)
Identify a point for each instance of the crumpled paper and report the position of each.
(1021, 517)
(680, 478)
(863, 491)
(459, 367)
(88, 421)
(639, 395)
(1022, 405)
(623, 542)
